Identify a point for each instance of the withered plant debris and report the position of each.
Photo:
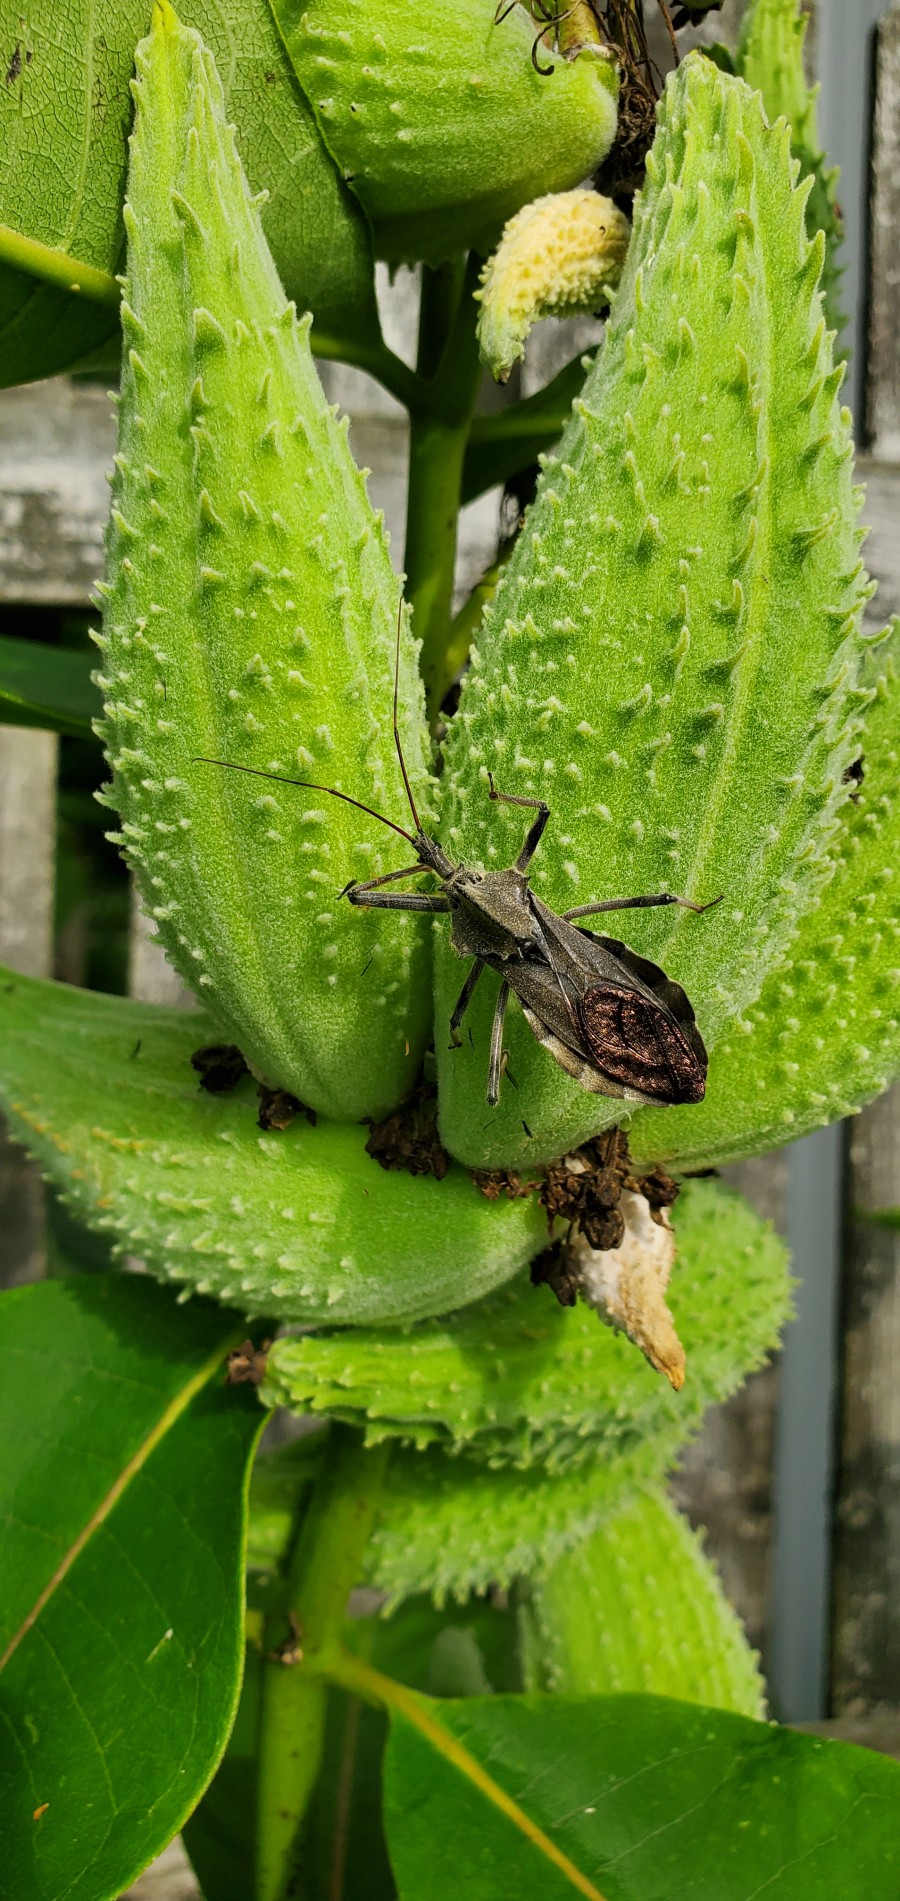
(408, 1138)
(246, 1366)
(627, 1285)
(853, 777)
(494, 1182)
(618, 1249)
(277, 1108)
(555, 1269)
(219, 1066)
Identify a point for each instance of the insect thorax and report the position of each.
(491, 916)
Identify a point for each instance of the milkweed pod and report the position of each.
(439, 120)
(250, 617)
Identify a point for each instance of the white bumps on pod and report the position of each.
(438, 119)
(250, 614)
(671, 659)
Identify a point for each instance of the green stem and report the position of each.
(324, 1568)
(377, 360)
(57, 267)
(437, 446)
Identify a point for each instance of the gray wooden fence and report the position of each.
(797, 1479)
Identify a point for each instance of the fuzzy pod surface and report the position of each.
(823, 1037)
(437, 118)
(520, 1381)
(770, 58)
(451, 1527)
(639, 1608)
(250, 611)
(671, 656)
(299, 1225)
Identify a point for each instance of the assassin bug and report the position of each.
(610, 1018)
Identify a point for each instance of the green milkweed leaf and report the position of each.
(62, 175)
(47, 686)
(300, 1225)
(672, 653)
(630, 1798)
(123, 1508)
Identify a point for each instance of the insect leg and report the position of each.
(535, 832)
(637, 904)
(396, 900)
(463, 1001)
(495, 1060)
(371, 884)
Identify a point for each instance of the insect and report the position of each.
(609, 1017)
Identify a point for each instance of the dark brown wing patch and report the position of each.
(639, 1045)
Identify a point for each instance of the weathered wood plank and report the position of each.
(56, 441)
(866, 1645)
(883, 404)
(27, 844)
(865, 1660)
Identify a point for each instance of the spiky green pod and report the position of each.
(250, 615)
(519, 1380)
(301, 1225)
(823, 1037)
(770, 58)
(438, 119)
(638, 1607)
(451, 1527)
(671, 656)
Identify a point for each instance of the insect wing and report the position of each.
(634, 1023)
(640, 1028)
(550, 989)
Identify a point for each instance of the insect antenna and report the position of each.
(412, 803)
(311, 786)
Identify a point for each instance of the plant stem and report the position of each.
(324, 1568)
(377, 360)
(425, 1715)
(439, 432)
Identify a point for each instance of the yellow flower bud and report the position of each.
(561, 256)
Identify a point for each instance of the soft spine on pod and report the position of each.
(671, 656)
(520, 1381)
(770, 57)
(823, 1037)
(249, 616)
(639, 1608)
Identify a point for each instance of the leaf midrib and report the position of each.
(164, 1424)
(357, 1676)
